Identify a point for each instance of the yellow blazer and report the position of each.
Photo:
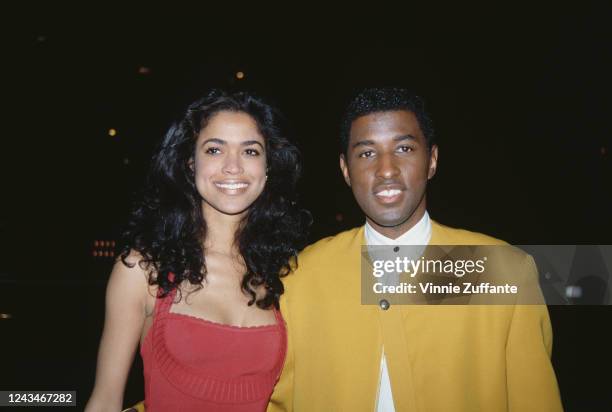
(440, 358)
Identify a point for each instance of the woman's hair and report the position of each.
(167, 228)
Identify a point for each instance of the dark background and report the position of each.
(520, 97)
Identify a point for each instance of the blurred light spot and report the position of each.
(144, 70)
(126, 161)
(240, 75)
(95, 253)
(5, 316)
(95, 243)
(112, 132)
(573, 291)
(604, 150)
(339, 217)
(113, 243)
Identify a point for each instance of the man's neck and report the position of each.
(418, 234)
(393, 232)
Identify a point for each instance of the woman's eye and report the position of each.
(405, 149)
(252, 152)
(369, 153)
(213, 150)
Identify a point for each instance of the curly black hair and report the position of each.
(374, 100)
(166, 226)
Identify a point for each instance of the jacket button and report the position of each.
(384, 304)
(396, 249)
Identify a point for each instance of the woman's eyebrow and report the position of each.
(251, 142)
(223, 142)
(214, 140)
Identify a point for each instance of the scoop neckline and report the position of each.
(225, 325)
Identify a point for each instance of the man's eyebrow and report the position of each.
(369, 142)
(404, 137)
(365, 142)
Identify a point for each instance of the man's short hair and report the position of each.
(376, 100)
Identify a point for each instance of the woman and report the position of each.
(198, 280)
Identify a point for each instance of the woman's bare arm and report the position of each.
(124, 318)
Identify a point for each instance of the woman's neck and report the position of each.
(221, 230)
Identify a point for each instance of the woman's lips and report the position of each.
(232, 188)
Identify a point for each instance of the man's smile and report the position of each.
(389, 193)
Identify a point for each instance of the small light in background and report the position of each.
(240, 75)
(112, 132)
(126, 161)
(573, 291)
(41, 38)
(5, 316)
(339, 217)
(144, 70)
(603, 150)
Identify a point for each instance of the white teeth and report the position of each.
(231, 186)
(388, 193)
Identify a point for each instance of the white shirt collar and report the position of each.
(419, 234)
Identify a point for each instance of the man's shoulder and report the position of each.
(509, 255)
(446, 235)
(330, 246)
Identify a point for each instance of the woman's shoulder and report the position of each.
(129, 279)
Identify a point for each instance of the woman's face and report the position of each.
(230, 163)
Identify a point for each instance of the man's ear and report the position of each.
(433, 161)
(344, 168)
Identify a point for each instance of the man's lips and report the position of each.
(389, 193)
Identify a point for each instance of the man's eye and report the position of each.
(213, 150)
(252, 152)
(405, 149)
(368, 153)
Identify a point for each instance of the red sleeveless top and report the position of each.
(192, 364)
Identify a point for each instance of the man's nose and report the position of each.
(387, 166)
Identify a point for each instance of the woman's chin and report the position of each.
(227, 209)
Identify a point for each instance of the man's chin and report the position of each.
(389, 221)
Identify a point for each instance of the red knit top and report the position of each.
(192, 364)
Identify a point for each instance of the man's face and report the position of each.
(387, 165)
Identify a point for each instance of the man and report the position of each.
(345, 356)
